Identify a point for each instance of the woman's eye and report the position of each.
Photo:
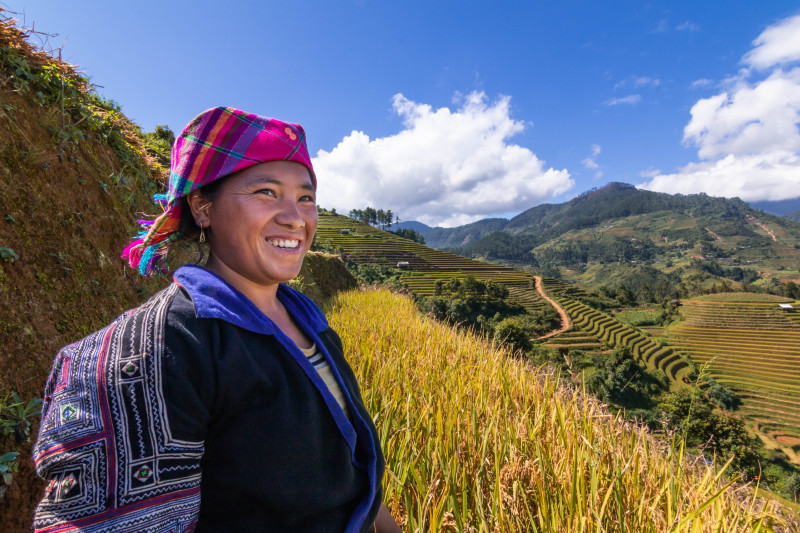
(268, 192)
(308, 199)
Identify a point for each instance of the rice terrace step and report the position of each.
(750, 345)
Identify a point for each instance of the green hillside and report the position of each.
(619, 235)
(425, 266)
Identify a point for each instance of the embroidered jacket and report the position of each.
(196, 411)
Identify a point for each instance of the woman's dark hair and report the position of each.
(189, 228)
(188, 244)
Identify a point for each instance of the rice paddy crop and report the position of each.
(478, 440)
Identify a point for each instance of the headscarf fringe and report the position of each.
(149, 248)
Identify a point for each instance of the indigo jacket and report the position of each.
(194, 412)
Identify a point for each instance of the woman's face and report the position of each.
(262, 221)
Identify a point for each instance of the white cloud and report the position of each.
(768, 176)
(750, 118)
(445, 167)
(688, 26)
(631, 99)
(701, 83)
(646, 80)
(650, 173)
(638, 81)
(747, 137)
(590, 162)
(777, 45)
(661, 27)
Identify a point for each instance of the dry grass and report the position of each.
(476, 440)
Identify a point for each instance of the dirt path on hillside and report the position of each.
(565, 323)
(716, 237)
(754, 220)
(771, 444)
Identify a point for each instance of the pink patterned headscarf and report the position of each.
(217, 143)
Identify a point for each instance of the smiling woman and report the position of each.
(225, 402)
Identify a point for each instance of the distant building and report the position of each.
(786, 307)
(403, 264)
(345, 231)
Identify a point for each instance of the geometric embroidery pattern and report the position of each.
(105, 446)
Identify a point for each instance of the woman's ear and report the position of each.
(198, 205)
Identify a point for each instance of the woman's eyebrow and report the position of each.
(275, 181)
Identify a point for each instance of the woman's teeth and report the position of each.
(282, 243)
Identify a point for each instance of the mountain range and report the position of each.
(621, 225)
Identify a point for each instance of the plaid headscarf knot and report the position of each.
(217, 143)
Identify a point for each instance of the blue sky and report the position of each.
(451, 111)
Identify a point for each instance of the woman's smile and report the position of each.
(284, 244)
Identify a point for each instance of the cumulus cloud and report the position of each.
(747, 136)
(445, 167)
(631, 99)
(777, 45)
(768, 176)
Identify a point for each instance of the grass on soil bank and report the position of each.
(476, 440)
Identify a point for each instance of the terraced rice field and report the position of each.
(363, 243)
(615, 334)
(752, 348)
(574, 339)
(527, 297)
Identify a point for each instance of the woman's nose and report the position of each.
(289, 214)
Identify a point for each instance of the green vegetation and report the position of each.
(16, 417)
(640, 317)
(9, 255)
(410, 234)
(477, 441)
(8, 465)
(487, 308)
(158, 144)
(375, 217)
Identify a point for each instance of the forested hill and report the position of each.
(619, 230)
(615, 200)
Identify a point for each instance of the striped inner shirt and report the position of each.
(322, 367)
